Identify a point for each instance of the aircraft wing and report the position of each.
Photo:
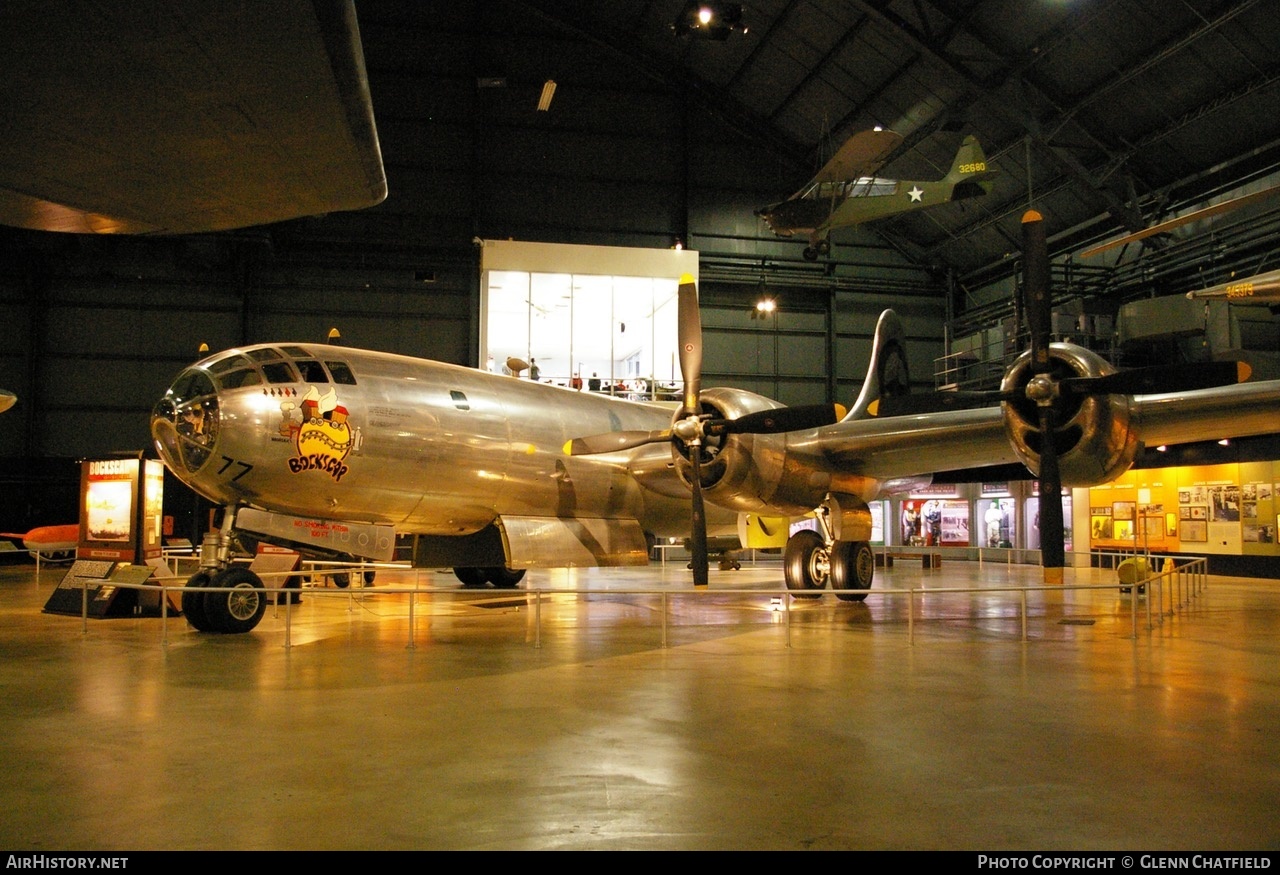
(1261, 289)
(895, 447)
(904, 446)
(861, 155)
(162, 118)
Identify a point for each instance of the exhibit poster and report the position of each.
(109, 503)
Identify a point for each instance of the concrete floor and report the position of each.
(576, 726)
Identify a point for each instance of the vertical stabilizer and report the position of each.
(887, 376)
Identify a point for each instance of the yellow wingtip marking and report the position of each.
(568, 448)
(1243, 371)
(873, 409)
(686, 279)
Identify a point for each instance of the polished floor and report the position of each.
(626, 719)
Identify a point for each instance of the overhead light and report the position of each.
(1224, 443)
(709, 20)
(548, 92)
(764, 307)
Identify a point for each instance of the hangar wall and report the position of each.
(96, 327)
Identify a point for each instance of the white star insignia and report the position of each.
(915, 194)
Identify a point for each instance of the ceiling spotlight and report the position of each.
(709, 20)
(1224, 443)
(764, 307)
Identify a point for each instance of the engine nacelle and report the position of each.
(740, 471)
(1094, 434)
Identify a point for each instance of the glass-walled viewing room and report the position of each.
(595, 318)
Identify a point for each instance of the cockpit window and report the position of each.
(341, 373)
(230, 363)
(265, 354)
(296, 352)
(238, 379)
(279, 372)
(311, 370)
(190, 385)
(185, 422)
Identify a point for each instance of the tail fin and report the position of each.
(969, 161)
(887, 376)
(969, 176)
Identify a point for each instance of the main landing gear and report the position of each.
(812, 558)
(499, 576)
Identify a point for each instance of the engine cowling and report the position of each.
(739, 471)
(1095, 435)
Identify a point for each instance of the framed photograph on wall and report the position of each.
(1194, 530)
(1123, 510)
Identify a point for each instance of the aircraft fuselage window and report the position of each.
(311, 370)
(459, 400)
(279, 372)
(341, 373)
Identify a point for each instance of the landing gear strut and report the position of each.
(814, 558)
(234, 612)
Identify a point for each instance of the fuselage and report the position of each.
(428, 448)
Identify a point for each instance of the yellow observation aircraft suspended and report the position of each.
(845, 191)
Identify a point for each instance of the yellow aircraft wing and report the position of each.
(861, 155)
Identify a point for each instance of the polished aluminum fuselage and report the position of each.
(437, 449)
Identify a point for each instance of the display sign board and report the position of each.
(121, 509)
(106, 595)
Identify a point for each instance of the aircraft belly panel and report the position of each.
(550, 542)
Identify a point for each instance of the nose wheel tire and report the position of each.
(806, 565)
(240, 609)
(853, 565)
(193, 601)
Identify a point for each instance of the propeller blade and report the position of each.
(698, 523)
(1037, 304)
(690, 334)
(779, 420)
(613, 441)
(1162, 378)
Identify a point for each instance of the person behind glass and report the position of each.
(534, 372)
(593, 385)
(576, 382)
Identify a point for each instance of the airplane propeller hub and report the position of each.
(1042, 389)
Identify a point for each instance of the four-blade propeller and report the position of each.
(692, 427)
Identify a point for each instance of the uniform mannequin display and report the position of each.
(994, 519)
